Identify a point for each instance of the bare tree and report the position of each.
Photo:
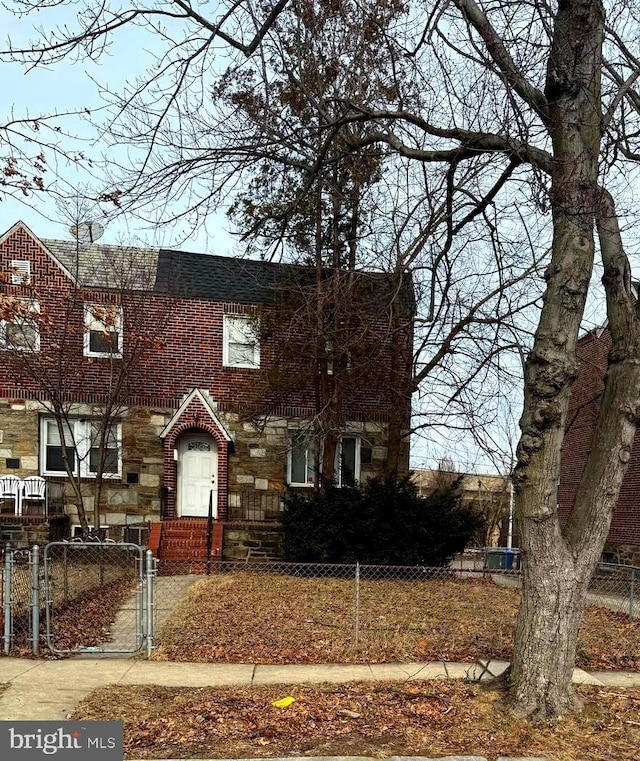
(110, 312)
(530, 110)
(33, 153)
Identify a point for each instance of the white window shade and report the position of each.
(241, 345)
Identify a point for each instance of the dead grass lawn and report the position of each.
(430, 718)
(251, 618)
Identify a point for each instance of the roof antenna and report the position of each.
(87, 232)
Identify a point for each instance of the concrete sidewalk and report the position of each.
(41, 690)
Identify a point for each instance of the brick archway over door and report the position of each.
(194, 416)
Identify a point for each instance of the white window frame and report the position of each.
(227, 321)
(298, 437)
(338, 465)
(310, 460)
(91, 323)
(81, 434)
(34, 308)
(20, 272)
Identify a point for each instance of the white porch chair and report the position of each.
(11, 489)
(34, 489)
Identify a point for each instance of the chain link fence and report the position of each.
(114, 598)
(282, 613)
(75, 597)
(17, 594)
(94, 597)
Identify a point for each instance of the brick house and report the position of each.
(193, 431)
(624, 535)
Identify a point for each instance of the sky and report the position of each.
(72, 86)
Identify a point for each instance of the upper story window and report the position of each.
(20, 272)
(241, 346)
(20, 328)
(83, 448)
(102, 330)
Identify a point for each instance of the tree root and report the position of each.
(541, 709)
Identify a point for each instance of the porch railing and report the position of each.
(255, 506)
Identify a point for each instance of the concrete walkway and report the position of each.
(123, 640)
(40, 690)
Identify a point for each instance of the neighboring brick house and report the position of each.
(188, 430)
(624, 535)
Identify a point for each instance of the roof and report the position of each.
(218, 278)
(92, 264)
(197, 275)
(481, 484)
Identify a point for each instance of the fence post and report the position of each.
(632, 593)
(35, 599)
(65, 573)
(357, 611)
(150, 612)
(7, 599)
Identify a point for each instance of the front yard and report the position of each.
(431, 718)
(273, 618)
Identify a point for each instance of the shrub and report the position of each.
(383, 522)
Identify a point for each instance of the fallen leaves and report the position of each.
(431, 718)
(282, 619)
(86, 621)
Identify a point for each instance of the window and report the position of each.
(53, 451)
(241, 347)
(21, 330)
(111, 451)
(302, 460)
(82, 445)
(20, 272)
(301, 469)
(347, 468)
(102, 330)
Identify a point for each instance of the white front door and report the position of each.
(197, 475)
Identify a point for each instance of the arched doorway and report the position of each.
(197, 475)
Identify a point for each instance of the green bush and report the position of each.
(379, 523)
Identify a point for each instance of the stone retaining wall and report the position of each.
(251, 542)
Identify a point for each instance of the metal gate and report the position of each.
(80, 578)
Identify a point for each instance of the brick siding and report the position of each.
(182, 351)
(592, 352)
(186, 353)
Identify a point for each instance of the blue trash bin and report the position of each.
(508, 558)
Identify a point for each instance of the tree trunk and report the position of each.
(555, 574)
(553, 596)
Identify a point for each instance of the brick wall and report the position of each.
(171, 345)
(592, 352)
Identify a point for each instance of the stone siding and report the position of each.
(251, 542)
(28, 534)
(122, 502)
(257, 460)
